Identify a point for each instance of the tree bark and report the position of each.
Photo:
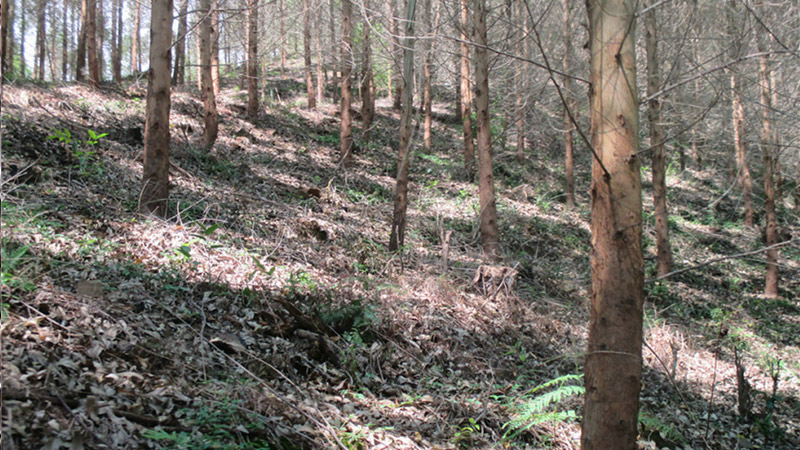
(252, 59)
(100, 24)
(334, 50)
(5, 8)
(767, 152)
(22, 29)
(135, 39)
(210, 118)
(310, 91)
(346, 131)
(431, 30)
(569, 127)
(91, 43)
(613, 362)
(179, 68)
(466, 93)
(65, 41)
(321, 79)
(40, 40)
(215, 23)
(116, 70)
(745, 180)
(397, 94)
(490, 236)
(282, 24)
(155, 180)
(663, 250)
(368, 81)
(397, 236)
(519, 83)
(118, 74)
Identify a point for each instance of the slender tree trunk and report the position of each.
(457, 72)
(116, 70)
(310, 91)
(490, 236)
(252, 59)
(135, 42)
(368, 83)
(65, 41)
(569, 127)
(52, 50)
(431, 30)
(179, 69)
(397, 236)
(519, 83)
(40, 39)
(346, 132)
(745, 180)
(663, 251)
(397, 94)
(613, 361)
(118, 74)
(5, 8)
(91, 44)
(334, 49)
(155, 179)
(767, 152)
(466, 94)
(215, 23)
(210, 118)
(23, 29)
(100, 31)
(320, 70)
(282, 24)
(776, 135)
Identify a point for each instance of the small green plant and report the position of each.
(651, 424)
(12, 274)
(531, 409)
(464, 435)
(84, 151)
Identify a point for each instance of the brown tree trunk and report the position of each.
(519, 83)
(397, 236)
(22, 30)
(466, 93)
(745, 180)
(613, 361)
(394, 28)
(65, 41)
(368, 83)
(91, 44)
(334, 50)
(320, 69)
(346, 131)
(40, 40)
(663, 251)
(310, 91)
(118, 74)
(5, 8)
(569, 127)
(155, 180)
(252, 59)
(210, 118)
(135, 57)
(179, 68)
(767, 152)
(215, 23)
(432, 29)
(100, 24)
(490, 236)
(282, 24)
(116, 71)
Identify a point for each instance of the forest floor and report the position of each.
(266, 311)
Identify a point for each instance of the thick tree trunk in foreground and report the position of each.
(569, 127)
(346, 130)
(210, 118)
(91, 44)
(490, 236)
(179, 69)
(613, 363)
(659, 166)
(310, 91)
(737, 110)
(252, 59)
(466, 94)
(397, 236)
(767, 152)
(155, 189)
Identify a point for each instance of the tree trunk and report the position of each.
(663, 251)
(91, 43)
(334, 49)
(118, 74)
(490, 236)
(569, 127)
(613, 361)
(5, 8)
(252, 59)
(321, 79)
(397, 236)
(368, 81)
(745, 180)
(397, 94)
(282, 24)
(519, 83)
(210, 119)
(431, 30)
(310, 91)
(40, 40)
(179, 69)
(215, 23)
(22, 29)
(135, 57)
(346, 131)
(767, 152)
(100, 24)
(65, 41)
(466, 94)
(116, 70)
(155, 180)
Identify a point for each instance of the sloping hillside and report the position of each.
(266, 311)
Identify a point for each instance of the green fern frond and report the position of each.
(528, 411)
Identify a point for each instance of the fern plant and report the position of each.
(535, 407)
